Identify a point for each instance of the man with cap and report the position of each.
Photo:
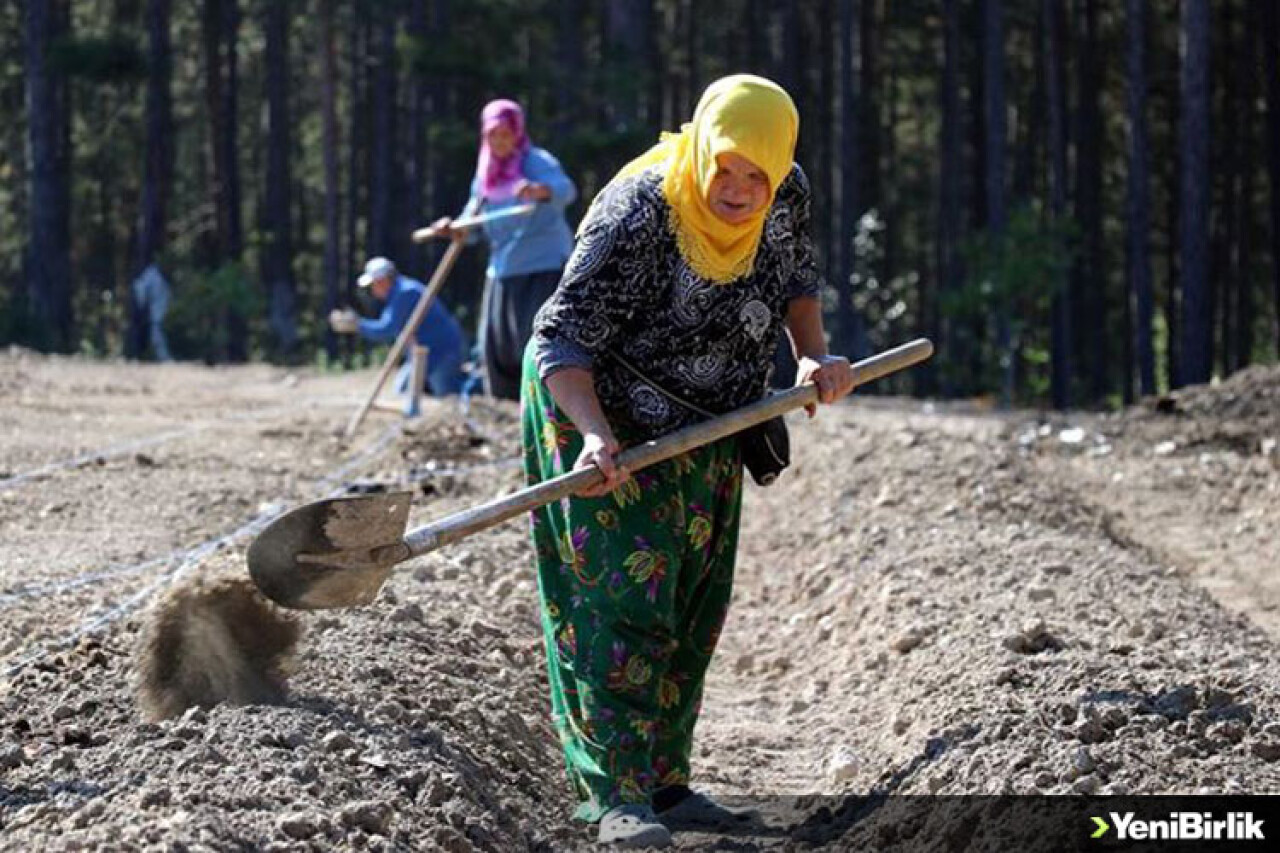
(439, 332)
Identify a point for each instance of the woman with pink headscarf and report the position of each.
(527, 253)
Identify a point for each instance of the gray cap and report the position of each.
(376, 268)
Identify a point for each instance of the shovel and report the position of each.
(338, 552)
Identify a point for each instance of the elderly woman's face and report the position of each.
(739, 188)
(501, 139)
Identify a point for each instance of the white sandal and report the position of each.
(633, 825)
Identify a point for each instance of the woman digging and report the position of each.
(688, 266)
(527, 253)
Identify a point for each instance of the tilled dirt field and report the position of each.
(931, 601)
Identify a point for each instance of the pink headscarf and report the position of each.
(499, 176)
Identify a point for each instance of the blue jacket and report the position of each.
(438, 331)
(540, 241)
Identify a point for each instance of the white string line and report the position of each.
(120, 570)
(22, 593)
(117, 569)
(196, 555)
(419, 474)
(111, 451)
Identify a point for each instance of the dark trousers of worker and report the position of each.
(510, 304)
(634, 588)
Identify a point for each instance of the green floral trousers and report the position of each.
(634, 588)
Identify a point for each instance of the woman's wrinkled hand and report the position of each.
(601, 451)
(831, 373)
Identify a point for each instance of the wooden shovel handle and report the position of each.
(466, 223)
(464, 523)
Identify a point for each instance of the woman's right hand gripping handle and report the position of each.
(573, 389)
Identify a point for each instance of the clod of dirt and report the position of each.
(1033, 639)
(210, 641)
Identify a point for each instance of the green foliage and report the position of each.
(1021, 268)
(885, 304)
(1018, 273)
(18, 322)
(206, 304)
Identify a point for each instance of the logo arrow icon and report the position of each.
(1102, 828)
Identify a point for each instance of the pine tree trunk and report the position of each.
(277, 264)
(1271, 74)
(1224, 162)
(231, 144)
(1029, 130)
(48, 260)
(828, 132)
(995, 119)
(237, 322)
(440, 200)
(220, 25)
(950, 171)
(359, 42)
(1197, 308)
(629, 40)
(1062, 341)
(850, 158)
(693, 50)
(1090, 272)
(211, 38)
(571, 64)
(1173, 291)
(1242, 262)
(415, 183)
(1138, 199)
(158, 169)
(382, 136)
(869, 137)
(332, 201)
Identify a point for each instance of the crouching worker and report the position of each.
(439, 332)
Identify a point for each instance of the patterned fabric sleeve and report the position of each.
(552, 354)
(807, 280)
(611, 277)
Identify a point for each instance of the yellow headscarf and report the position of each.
(743, 114)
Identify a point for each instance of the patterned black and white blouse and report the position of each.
(627, 291)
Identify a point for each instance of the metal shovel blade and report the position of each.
(331, 553)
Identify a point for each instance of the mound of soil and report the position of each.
(928, 602)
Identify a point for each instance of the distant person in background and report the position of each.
(439, 332)
(150, 294)
(527, 253)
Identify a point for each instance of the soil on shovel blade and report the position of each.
(934, 599)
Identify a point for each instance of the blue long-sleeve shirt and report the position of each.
(438, 331)
(540, 241)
